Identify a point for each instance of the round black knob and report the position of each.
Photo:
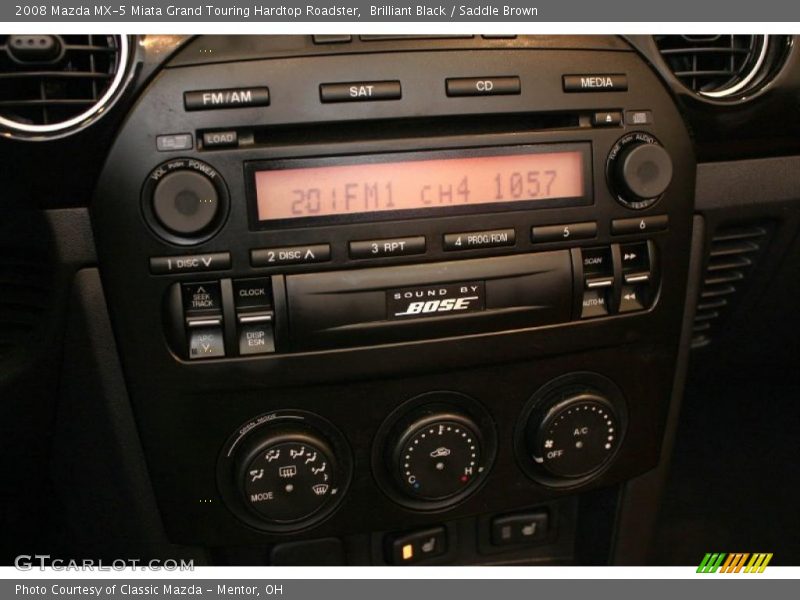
(185, 202)
(288, 476)
(574, 436)
(639, 170)
(438, 456)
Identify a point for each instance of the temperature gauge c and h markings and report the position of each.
(289, 478)
(439, 457)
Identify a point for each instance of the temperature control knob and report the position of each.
(438, 456)
(639, 170)
(574, 436)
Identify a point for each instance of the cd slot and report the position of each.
(386, 129)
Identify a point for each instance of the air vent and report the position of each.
(50, 84)
(722, 66)
(733, 253)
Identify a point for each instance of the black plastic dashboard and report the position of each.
(285, 356)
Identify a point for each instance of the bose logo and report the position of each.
(437, 306)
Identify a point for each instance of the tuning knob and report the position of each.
(639, 170)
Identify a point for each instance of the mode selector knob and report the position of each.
(284, 471)
(639, 170)
(289, 476)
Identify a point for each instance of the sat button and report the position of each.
(360, 91)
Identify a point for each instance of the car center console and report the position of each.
(396, 301)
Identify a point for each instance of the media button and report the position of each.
(389, 247)
(360, 91)
(595, 82)
(290, 255)
(495, 238)
(482, 86)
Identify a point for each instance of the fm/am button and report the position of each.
(479, 239)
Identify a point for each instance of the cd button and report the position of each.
(483, 86)
(389, 247)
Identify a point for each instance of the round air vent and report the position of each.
(722, 66)
(51, 84)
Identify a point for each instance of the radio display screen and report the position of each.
(376, 186)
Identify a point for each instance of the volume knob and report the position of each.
(639, 170)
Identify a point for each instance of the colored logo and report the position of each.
(735, 562)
